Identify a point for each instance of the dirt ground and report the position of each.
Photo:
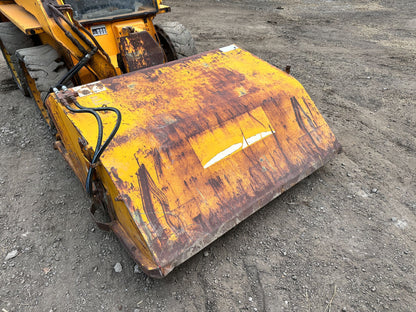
(343, 239)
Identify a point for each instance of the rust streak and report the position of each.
(297, 108)
(158, 163)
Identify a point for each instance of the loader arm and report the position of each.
(56, 20)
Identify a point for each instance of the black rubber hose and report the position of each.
(115, 129)
(99, 121)
(72, 26)
(70, 37)
(99, 150)
(74, 70)
(88, 183)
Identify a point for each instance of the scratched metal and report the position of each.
(140, 50)
(204, 143)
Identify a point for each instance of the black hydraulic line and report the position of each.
(88, 183)
(95, 46)
(57, 10)
(70, 36)
(73, 27)
(113, 132)
(99, 121)
(100, 148)
(74, 70)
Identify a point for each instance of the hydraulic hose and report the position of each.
(100, 148)
(94, 46)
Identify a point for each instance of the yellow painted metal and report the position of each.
(25, 21)
(31, 17)
(164, 8)
(204, 143)
(98, 62)
(110, 41)
(10, 63)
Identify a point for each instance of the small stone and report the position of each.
(294, 277)
(206, 253)
(394, 219)
(362, 194)
(118, 268)
(402, 224)
(11, 255)
(136, 310)
(344, 309)
(250, 299)
(373, 289)
(136, 269)
(374, 190)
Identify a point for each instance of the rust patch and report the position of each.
(140, 50)
(299, 112)
(149, 193)
(195, 162)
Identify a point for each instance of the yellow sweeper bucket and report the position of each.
(204, 142)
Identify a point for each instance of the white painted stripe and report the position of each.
(228, 48)
(227, 152)
(234, 148)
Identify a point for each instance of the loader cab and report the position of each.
(110, 10)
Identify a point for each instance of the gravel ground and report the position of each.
(343, 239)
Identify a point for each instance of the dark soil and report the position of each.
(343, 239)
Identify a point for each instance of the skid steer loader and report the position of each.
(178, 147)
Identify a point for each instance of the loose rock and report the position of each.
(118, 268)
(11, 255)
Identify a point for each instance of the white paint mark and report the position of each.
(227, 152)
(235, 147)
(258, 137)
(228, 48)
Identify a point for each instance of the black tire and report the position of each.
(176, 40)
(43, 68)
(11, 40)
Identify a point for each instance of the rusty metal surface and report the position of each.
(139, 50)
(205, 142)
